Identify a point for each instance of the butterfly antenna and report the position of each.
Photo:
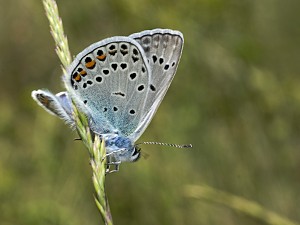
(166, 144)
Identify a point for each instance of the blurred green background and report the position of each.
(235, 97)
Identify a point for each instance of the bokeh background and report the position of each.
(236, 98)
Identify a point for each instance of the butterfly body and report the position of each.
(119, 83)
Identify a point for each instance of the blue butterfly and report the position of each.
(118, 83)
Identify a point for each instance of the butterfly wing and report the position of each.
(163, 48)
(58, 105)
(111, 79)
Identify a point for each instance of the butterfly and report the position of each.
(118, 83)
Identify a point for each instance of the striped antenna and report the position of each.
(165, 144)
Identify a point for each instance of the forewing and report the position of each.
(163, 49)
(58, 105)
(111, 78)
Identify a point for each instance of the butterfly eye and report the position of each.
(136, 154)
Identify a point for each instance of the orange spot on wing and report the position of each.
(90, 64)
(78, 77)
(101, 57)
(83, 73)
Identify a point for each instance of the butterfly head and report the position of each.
(122, 148)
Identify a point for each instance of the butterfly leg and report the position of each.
(113, 153)
(116, 169)
(112, 161)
